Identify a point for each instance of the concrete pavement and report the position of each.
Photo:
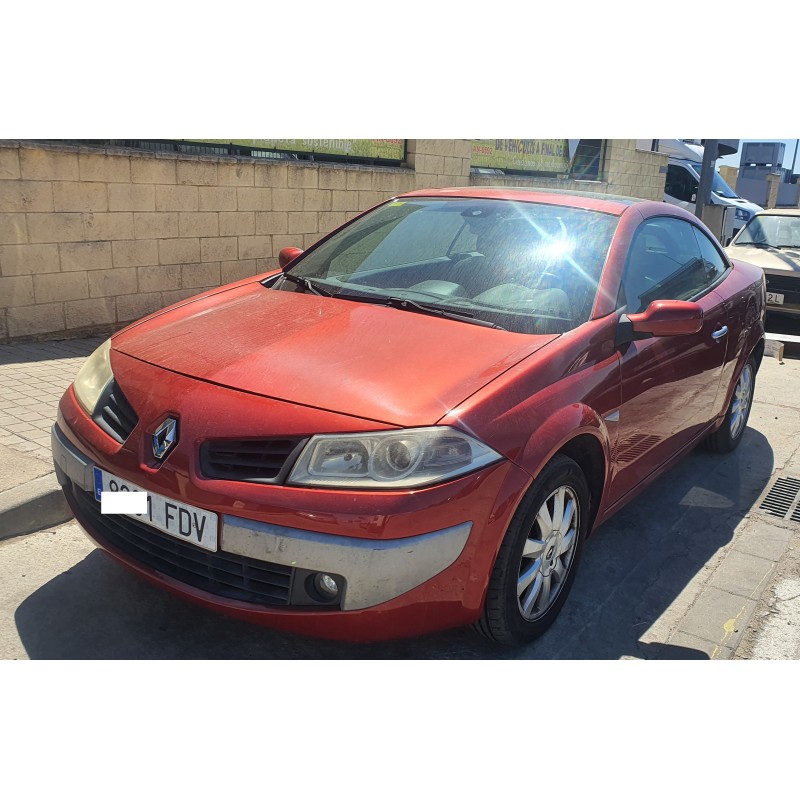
(694, 568)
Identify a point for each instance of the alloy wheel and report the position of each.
(742, 396)
(548, 553)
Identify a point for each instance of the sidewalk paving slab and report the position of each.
(33, 376)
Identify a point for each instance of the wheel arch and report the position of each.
(580, 433)
(758, 352)
(587, 452)
(495, 621)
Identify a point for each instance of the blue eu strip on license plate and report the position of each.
(98, 484)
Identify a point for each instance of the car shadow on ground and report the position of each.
(638, 563)
(633, 568)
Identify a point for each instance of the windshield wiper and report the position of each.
(392, 302)
(307, 285)
(419, 308)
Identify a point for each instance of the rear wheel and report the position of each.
(536, 564)
(731, 431)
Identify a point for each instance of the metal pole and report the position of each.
(706, 176)
(794, 158)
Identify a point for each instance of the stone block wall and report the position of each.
(635, 173)
(91, 239)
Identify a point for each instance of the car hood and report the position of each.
(364, 360)
(739, 202)
(767, 259)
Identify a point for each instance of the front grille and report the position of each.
(783, 283)
(223, 574)
(254, 460)
(114, 414)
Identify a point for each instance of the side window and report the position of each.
(680, 184)
(714, 263)
(692, 186)
(673, 186)
(664, 263)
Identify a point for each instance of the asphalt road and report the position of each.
(62, 599)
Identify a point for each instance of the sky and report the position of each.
(788, 154)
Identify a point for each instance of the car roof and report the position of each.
(783, 212)
(592, 201)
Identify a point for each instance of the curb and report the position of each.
(34, 505)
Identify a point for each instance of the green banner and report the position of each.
(386, 149)
(529, 155)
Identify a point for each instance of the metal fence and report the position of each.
(220, 149)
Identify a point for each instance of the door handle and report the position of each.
(720, 333)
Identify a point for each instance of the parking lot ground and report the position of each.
(686, 571)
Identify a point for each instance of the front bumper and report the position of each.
(385, 543)
(375, 571)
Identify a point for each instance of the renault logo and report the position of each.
(165, 437)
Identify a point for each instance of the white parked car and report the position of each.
(771, 240)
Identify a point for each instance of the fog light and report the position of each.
(326, 586)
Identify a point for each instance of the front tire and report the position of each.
(730, 433)
(536, 565)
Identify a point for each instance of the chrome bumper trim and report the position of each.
(69, 460)
(376, 571)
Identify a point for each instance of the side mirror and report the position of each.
(668, 318)
(287, 255)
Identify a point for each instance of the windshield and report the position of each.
(721, 188)
(773, 230)
(525, 267)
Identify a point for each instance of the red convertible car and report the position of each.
(416, 423)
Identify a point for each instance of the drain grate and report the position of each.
(782, 499)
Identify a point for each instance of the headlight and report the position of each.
(93, 377)
(389, 460)
(743, 214)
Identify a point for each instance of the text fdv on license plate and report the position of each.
(775, 298)
(178, 519)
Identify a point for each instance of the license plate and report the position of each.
(775, 298)
(184, 522)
